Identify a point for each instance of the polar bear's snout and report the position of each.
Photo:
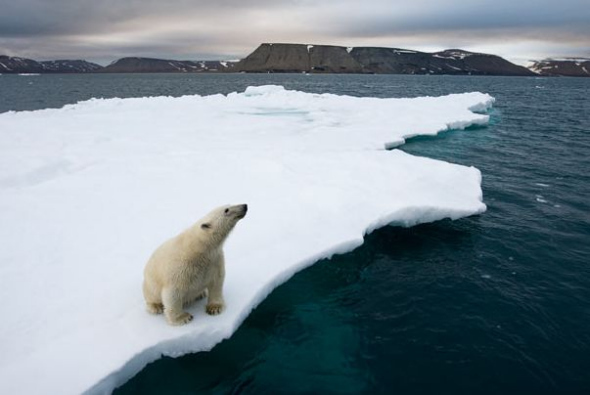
(239, 210)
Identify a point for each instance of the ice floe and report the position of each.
(87, 192)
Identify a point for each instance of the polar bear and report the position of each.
(190, 266)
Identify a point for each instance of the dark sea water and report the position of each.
(493, 304)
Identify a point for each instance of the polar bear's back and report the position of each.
(177, 260)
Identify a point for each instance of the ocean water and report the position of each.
(493, 304)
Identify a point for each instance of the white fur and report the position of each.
(190, 266)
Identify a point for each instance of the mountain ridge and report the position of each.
(272, 57)
(308, 58)
(153, 65)
(16, 65)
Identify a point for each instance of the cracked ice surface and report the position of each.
(87, 192)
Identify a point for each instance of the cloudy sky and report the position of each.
(104, 30)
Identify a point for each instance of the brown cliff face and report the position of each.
(332, 59)
(299, 58)
(276, 58)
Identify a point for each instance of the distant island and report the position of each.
(15, 65)
(371, 60)
(570, 67)
(302, 58)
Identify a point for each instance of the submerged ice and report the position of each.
(88, 191)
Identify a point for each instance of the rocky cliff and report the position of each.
(568, 67)
(297, 58)
(10, 65)
(331, 59)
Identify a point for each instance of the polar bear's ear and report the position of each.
(206, 226)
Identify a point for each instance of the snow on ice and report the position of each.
(87, 192)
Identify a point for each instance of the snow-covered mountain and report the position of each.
(570, 67)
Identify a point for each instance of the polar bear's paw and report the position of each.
(155, 308)
(214, 308)
(182, 319)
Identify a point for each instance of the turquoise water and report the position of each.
(493, 304)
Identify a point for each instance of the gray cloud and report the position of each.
(425, 17)
(64, 17)
(106, 29)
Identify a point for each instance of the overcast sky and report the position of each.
(104, 30)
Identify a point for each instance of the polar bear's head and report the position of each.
(219, 222)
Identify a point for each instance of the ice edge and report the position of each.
(479, 108)
(210, 339)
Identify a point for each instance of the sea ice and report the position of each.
(87, 192)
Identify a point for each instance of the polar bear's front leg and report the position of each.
(172, 301)
(215, 303)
